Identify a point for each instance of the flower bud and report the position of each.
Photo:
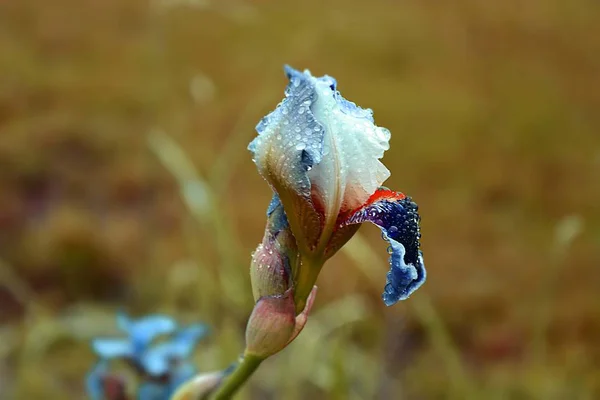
(271, 325)
(274, 323)
(269, 270)
(200, 386)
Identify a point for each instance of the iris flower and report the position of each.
(320, 153)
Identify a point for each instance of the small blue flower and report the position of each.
(140, 333)
(162, 366)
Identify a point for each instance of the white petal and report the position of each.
(350, 170)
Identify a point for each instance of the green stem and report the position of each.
(238, 377)
(306, 280)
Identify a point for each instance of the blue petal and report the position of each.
(397, 217)
(144, 330)
(191, 334)
(158, 360)
(113, 348)
(94, 381)
(402, 278)
(123, 321)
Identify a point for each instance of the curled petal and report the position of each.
(398, 219)
(289, 141)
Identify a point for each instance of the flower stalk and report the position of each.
(234, 381)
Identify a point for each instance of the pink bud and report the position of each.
(274, 323)
(271, 325)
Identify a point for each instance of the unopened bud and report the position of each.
(271, 325)
(269, 270)
(199, 387)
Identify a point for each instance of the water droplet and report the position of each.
(297, 129)
(309, 167)
(284, 110)
(296, 82)
(390, 249)
(301, 110)
(278, 137)
(393, 229)
(300, 146)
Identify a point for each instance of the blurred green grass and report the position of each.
(493, 109)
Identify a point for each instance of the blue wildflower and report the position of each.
(161, 366)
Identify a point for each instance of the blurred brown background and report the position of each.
(125, 183)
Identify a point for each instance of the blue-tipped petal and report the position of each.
(397, 217)
(402, 279)
(290, 144)
(113, 348)
(290, 140)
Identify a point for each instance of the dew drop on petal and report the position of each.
(300, 146)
